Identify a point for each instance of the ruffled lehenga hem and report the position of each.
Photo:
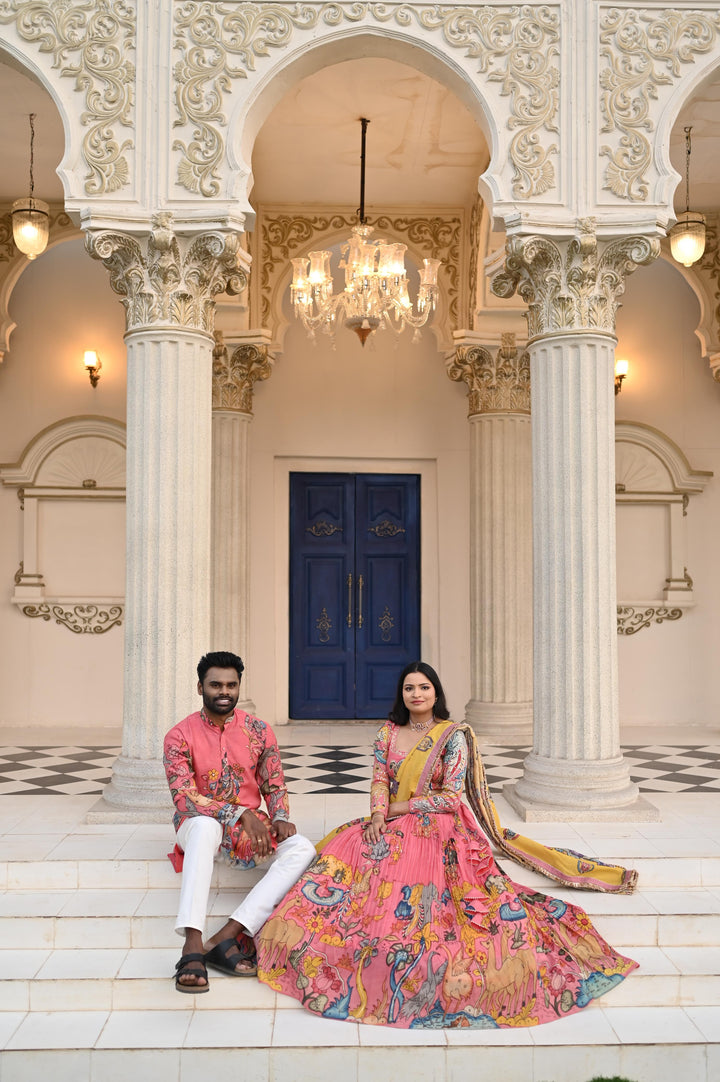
(424, 930)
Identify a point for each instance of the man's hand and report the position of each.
(258, 834)
(282, 830)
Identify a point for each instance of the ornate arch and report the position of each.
(651, 61)
(232, 58)
(81, 55)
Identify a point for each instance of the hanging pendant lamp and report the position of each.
(687, 236)
(31, 216)
(376, 285)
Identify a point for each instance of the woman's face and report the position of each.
(418, 693)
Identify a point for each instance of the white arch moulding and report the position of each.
(651, 469)
(479, 58)
(76, 459)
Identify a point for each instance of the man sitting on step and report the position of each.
(219, 761)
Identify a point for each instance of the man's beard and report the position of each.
(210, 703)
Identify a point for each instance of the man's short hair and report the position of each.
(219, 659)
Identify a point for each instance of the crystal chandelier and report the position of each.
(376, 285)
(687, 236)
(30, 216)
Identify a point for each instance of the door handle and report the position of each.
(349, 612)
(360, 590)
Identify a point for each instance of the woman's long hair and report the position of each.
(399, 713)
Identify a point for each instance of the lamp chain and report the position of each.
(687, 168)
(361, 209)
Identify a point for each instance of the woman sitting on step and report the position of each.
(405, 918)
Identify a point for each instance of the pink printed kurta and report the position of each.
(423, 929)
(222, 773)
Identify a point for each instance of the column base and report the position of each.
(578, 790)
(137, 793)
(501, 723)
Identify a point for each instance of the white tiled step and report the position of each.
(117, 919)
(647, 1045)
(133, 872)
(113, 979)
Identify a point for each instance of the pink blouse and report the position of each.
(446, 785)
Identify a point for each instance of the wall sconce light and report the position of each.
(687, 236)
(621, 370)
(93, 364)
(30, 216)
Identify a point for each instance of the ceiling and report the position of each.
(423, 146)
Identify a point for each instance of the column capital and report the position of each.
(571, 283)
(497, 383)
(236, 371)
(170, 278)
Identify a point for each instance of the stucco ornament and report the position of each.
(80, 619)
(571, 284)
(709, 269)
(89, 41)
(496, 384)
(643, 50)
(515, 46)
(168, 278)
(235, 375)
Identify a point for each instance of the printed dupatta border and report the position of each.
(561, 865)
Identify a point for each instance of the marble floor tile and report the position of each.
(707, 1020)
(695, 959)
(653, 1025)
(236, 1028)
(22, 964)
(682, 901)
(302, 1029)
(68, 964)
(10, 1021)
(59, 1029)
(103, 903)
(589, 1026)
(145, 1029)
(148, 962)
(24, 903)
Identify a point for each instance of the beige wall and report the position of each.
(389, 407)
(62, 305)
(384, 408)
(669, 672)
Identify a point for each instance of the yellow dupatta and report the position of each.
(562, 865)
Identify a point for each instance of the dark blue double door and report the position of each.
(354, 591)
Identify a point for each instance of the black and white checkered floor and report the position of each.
(338, 769)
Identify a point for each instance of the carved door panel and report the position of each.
(354, 591)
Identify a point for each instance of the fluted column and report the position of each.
(235, 373)
(500, 708)
(168, 284)
(572, 286)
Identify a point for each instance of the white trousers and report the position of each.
(199, 837)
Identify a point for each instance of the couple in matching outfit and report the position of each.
(402, 918)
